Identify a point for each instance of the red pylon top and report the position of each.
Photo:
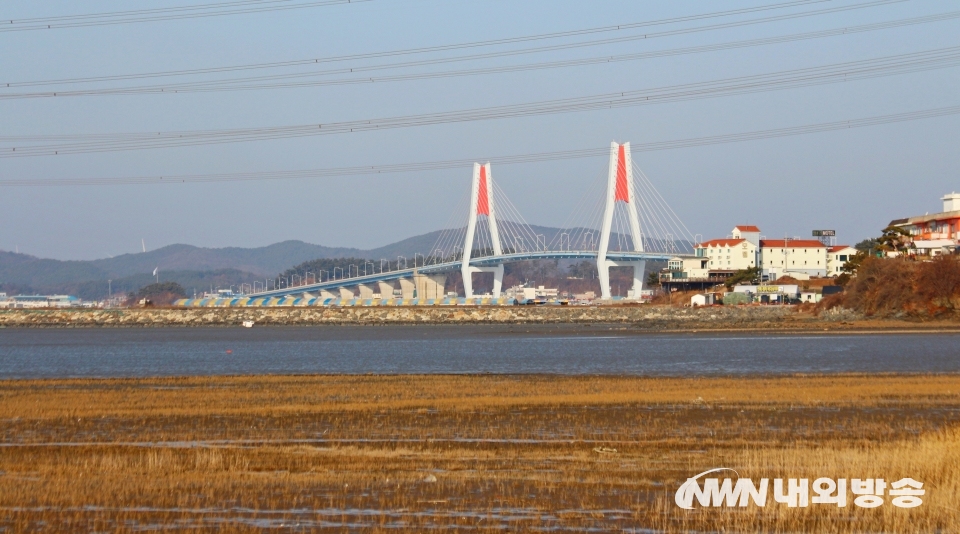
(621, 191)
(483, 202)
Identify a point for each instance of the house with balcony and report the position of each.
(934, 233)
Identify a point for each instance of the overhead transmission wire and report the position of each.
(833, 73)
(269, 82)
(428, 49)
(111, 18)
(502, 160)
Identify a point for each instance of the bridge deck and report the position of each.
(483, 261)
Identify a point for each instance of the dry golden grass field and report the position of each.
(472, 453)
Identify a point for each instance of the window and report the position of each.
(843, 257)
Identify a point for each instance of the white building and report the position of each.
(748, 232)
(702, 299)
(837, 256)
(787, 257)
(40, 301)
(770, 292)
(688, 267)
(532, 293)
(728, 254)
(935, 233)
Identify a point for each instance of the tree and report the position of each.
(851, 265)
(583, 269)
(743, 275)
(653, 279)
(162, 293)
(894, 239)
(867, 246)
(154, 290)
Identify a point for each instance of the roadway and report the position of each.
(453, 266)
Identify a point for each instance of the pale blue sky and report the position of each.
(853, 180)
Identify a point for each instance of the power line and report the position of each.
(218, 9)
(832, 73)
(479, 44)
(501, 160)
(270, 82)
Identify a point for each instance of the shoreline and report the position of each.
(632, 319)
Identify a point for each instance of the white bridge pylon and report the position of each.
(620, 192)
(481, 203)
(620, 188)
(627, 225)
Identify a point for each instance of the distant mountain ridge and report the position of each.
(193, 266)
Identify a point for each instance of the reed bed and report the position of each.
(474, 453)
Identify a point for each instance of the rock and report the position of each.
(430, 479)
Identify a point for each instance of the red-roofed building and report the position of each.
(837, 256)
(793, 257)
(728, 254)
(750, 233)
(717, 259)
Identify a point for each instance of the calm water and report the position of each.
(431, 349)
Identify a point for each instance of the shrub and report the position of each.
(888, 286)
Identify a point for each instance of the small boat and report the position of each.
(248, 324)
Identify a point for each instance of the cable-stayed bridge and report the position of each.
(625, 223)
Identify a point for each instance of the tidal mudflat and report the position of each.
(410, 453)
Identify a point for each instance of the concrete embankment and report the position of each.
(643, 317)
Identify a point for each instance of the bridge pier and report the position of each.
(604, 274)
(325, 294)
(386, 290)
(429, 286)
(407, 288)
(497, 279)
(346, 294)
(366, 292)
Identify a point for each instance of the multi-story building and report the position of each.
(935, 233)
(837, 256)
(793, 257)
(727, 254)
(716, 260)
(735, 253)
